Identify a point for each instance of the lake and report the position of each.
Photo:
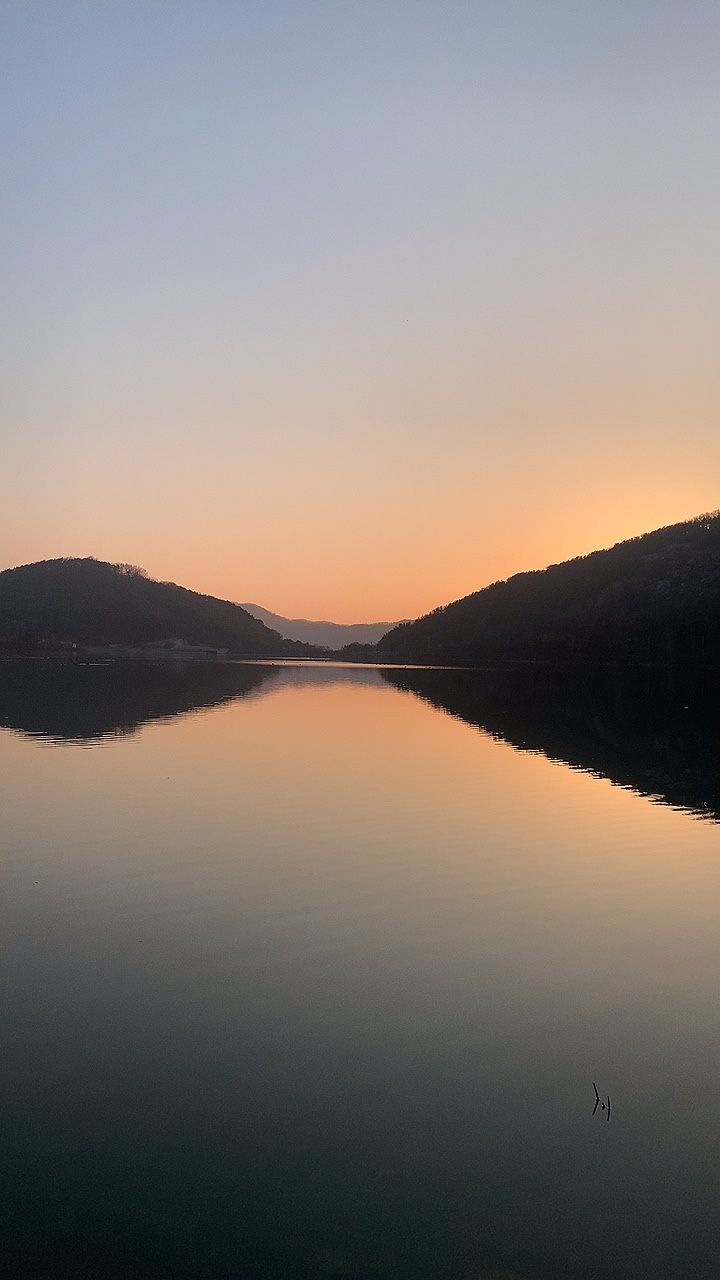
(308, 972)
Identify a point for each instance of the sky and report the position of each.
(352, 308)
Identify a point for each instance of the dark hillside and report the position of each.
(91, 602)
(652, 598)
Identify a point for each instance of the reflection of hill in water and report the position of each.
(62, 701)
(80, 703)
(655, 732)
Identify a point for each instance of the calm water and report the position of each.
(307, 972)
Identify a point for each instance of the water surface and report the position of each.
(307, 972)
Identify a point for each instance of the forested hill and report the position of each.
(652, 598)
(91, 602)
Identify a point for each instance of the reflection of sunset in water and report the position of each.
(345, 960)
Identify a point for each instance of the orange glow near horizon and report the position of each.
(349, 319)
(371, 582)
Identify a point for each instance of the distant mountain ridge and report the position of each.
(329, 635)
(94, 603)
(654, 598)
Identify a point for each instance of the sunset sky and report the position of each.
(351, 308)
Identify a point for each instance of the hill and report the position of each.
(91, 602)
(652, 598)
(329, 635)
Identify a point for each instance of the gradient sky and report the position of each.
(351, 308)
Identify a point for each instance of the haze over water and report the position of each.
(305, 977)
